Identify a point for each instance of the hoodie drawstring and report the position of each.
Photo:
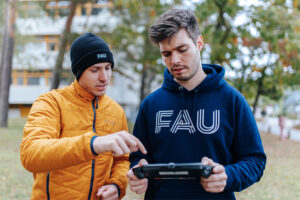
(195, 106)
(181, 95)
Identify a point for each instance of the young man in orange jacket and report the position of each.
(75, 141)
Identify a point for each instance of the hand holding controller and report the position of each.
(206, 171)
(173, 171)
(217, 182)
(137, 185)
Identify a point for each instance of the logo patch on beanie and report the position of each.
(101, 55)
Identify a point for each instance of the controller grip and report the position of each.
(138, 172)
(206, 171)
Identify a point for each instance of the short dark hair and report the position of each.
(170, 22)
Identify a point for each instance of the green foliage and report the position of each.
(277, 42)
(130, 39)
(274, 41)
(215, 18)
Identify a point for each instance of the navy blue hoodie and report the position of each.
(212, 120)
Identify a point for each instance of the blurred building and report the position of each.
(40, 23)
(291, 103)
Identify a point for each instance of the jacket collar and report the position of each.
(82, 92)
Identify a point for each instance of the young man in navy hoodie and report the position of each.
(196, 116)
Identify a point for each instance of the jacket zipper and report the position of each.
(92, 179)
(93, 162)
(47, 186)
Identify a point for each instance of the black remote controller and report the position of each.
(173, 171)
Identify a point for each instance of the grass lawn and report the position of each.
(16, 182)
(281, 179)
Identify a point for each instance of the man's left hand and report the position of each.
(108, 192)
(216, 182)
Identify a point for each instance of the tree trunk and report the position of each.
(221, 20)
(241, 82)
(259, 90)
(62, 47)
(143, 84)
(6, 60)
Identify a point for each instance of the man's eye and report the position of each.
(182, 50)
(166, 54)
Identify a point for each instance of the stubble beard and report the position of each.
(184, 79)
(196, 63)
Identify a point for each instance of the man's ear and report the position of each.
(200, 42)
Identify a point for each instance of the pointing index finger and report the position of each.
(141, 146)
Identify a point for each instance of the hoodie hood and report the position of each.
(213, 80)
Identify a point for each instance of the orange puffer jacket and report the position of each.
(56, 144)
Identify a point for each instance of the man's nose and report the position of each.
(102, 76)
(175, 58)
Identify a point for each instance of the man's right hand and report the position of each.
(137, 185)
(118, 143)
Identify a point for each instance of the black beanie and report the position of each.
(87, 50)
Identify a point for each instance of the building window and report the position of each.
(20, 81)
(40, 37)
(52, 46)
(33, 80)
(95, 11)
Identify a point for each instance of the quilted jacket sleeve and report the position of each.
(120, 168)
(41, 149)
